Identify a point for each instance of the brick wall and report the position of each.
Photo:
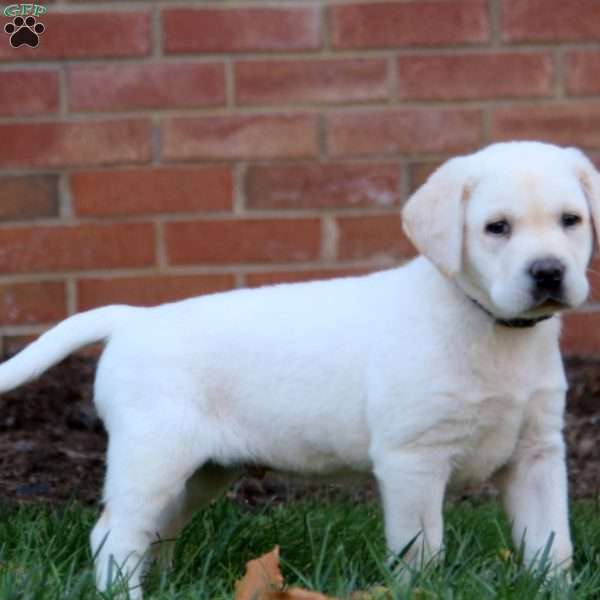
(156, 150)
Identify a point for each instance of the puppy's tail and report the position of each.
(57, 343)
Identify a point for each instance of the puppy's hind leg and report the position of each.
(148, 466)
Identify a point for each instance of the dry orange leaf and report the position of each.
(263, 581)
(262, 576)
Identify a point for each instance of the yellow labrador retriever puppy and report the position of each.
(444, 371)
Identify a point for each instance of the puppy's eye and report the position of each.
(570, 220)
(501, 227)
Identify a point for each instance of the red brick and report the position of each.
(167, 85)
(28, 303)
(152, 190)
(375, 237)
(550, 20)
(469, 76)
(404, 130)
(582, 72)
(411, 23)
(420, 172)
(243, 241)
(74, 144)
(28, 197)
(322, 185)
(303, 81)
(240, 136)
(581, 333)
(28, 92)
(148, 291)
(562, 124)
(241, 29)
(66, 248)
(273, 277)
(87, 35)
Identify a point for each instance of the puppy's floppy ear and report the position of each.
(590, 182)
(433, 217)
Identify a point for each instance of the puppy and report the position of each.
(444, 371)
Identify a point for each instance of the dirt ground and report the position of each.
(52, 445)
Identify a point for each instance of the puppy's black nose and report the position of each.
(547, 273)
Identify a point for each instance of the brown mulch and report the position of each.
(52, 444)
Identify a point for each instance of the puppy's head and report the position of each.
(512, 224)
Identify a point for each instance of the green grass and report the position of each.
(333, 547)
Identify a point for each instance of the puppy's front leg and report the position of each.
(534, 484)
(412, 486)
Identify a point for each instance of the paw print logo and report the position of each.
(24, 32)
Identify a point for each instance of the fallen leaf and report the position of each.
(263, 581)
(262, 577)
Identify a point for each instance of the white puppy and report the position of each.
(445, 370)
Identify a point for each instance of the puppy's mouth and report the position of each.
(548, 305)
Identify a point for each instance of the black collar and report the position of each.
(513, 323)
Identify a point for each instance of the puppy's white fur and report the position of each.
(398, 373)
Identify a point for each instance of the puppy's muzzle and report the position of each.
(547, 275)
